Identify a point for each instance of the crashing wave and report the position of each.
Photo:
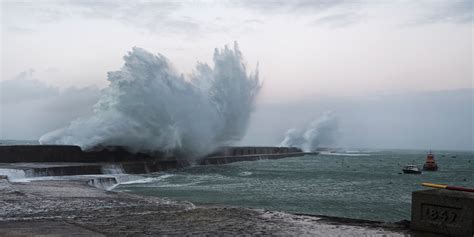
(149, 106)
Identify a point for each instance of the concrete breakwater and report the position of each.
(66, 153)
(59, 160)
(226, 155)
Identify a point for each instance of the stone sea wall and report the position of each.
(65, 153)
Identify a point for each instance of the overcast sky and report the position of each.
(305, 49)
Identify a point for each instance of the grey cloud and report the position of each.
(25, 88)
(454, 11)
(294, 5)
(253, 21)
(339, 20)
(51, 15)
(29, 107)
(186, 25)
(21, 30)
(158, 17)
(128, 12)
(42, 11)
(52, 70)
(73, 99)
(337, 13)
(153, 16)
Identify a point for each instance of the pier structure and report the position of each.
(62, 160)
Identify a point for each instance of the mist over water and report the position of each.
(149, 106)
(320, 132)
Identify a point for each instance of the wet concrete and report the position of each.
(63, 208)
(44, 228)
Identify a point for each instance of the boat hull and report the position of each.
(430, 168)
(411, 172)
(430, 164)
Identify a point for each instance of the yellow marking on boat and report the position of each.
(432, 185)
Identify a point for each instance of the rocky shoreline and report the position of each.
(74, 208)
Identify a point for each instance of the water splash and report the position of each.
(148, 106)
(13, 174)
(320, 132)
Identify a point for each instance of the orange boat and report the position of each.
(430, 163)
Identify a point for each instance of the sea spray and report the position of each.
(149, 106)
(320, 132)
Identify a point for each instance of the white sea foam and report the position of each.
(342, 154)
(112, 169)
(245, 173)
(13, 174)
(149, 106)
(144, 180)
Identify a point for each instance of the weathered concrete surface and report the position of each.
(44, 228)
(63, 208)
(443, 211)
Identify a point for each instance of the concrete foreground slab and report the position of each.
(55, 208)
(44, 228)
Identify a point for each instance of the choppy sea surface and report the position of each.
(367, 185)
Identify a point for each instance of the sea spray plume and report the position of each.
(232, 93)
(148, 106)
(320, 132)
(323, 131)
(293, 138)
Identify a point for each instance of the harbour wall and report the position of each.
(58, 160)
(252, 150)
(67, 153)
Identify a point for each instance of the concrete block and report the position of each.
(443, 211)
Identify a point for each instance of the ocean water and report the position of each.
(368, 186)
